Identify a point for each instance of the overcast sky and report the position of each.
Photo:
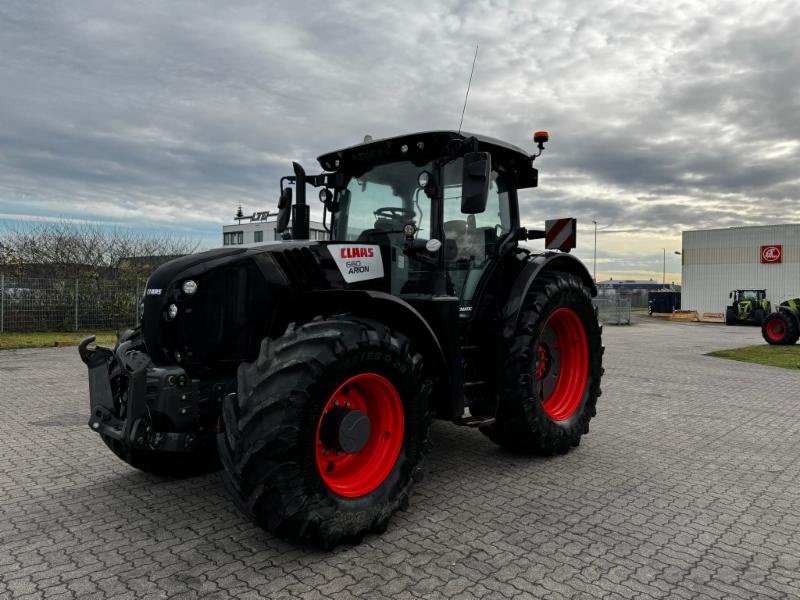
(663, 116)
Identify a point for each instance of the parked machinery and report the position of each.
(317, 366)
(783, 326)
(747, 306)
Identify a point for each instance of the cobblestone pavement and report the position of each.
(687, 486)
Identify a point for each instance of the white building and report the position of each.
(259, 228)
(716, 261)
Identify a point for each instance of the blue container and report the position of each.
(663, 302)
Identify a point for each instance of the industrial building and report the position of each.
(716, 261)
(259, 228)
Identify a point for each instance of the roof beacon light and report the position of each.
(539, 138)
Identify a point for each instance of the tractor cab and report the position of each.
(440, 205)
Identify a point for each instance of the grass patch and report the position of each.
(787, 357)
(48, 339)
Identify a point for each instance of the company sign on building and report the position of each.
(772, 253)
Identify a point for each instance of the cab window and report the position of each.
(477, 236)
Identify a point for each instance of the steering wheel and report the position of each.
(395, 213)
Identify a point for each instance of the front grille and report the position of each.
(301, 268)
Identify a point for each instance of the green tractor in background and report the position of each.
(782, 328)
(747, 306)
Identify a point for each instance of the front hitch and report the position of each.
(146, 406)
(94, 357)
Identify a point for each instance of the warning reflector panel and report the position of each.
(560, 234)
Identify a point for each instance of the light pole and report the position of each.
(595, 251)
(664, 272)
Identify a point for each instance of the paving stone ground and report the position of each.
(687, 486)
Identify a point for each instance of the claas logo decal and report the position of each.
(356, 267)
(357, 252)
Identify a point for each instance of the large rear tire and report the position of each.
(293, 464)
(780, 329)
(552, 371)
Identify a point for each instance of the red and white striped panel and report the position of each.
(560, 234)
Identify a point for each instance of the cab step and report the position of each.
(470, 420)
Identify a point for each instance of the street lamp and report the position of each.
(595, 251)
(681, 255)
(664, 273)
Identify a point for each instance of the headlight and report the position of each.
(172, 312)
(189, 287)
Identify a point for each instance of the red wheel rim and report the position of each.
(775, 329)
(358, 474)
(561, 366)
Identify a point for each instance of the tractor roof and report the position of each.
(420, 148)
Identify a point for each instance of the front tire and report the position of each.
(730, 316)
(551, 375)
(286, 462)
(780, 329)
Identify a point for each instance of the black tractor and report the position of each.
(782, 328)
(747, 306)
(312, 369)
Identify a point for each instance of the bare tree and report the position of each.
(68, 249)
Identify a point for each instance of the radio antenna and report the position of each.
(466, 97)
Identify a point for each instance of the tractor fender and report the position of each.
(537, 264)
(391, 310)
(792, 306)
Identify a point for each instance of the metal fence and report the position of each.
(613, 310)
(36, 304)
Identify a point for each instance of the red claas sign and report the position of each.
(773, 253)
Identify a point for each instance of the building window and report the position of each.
(258, 236)
(232, 238)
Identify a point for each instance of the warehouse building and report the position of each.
(716, 261)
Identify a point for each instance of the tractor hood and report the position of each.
(239, 296)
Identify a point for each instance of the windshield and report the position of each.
(384, 198)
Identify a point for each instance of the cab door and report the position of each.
(473, 239)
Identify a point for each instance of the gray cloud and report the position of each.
(662, 117)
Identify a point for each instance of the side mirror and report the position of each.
(475, 182)
(284, 210)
